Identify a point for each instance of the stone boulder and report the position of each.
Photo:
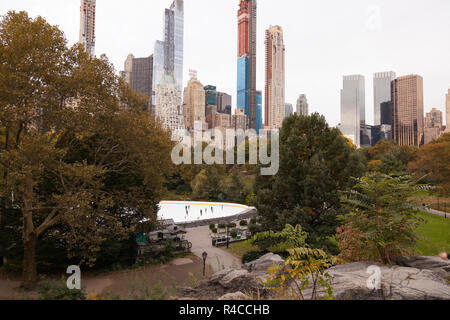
(223, 282)
(430, 263)
(349, 282)
(261, 266)
(234, 296)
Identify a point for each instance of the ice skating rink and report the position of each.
(186, 212)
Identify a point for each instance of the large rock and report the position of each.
(262, 265)
(234, 296)
(429, 263)
(223, 282)
(349, 282)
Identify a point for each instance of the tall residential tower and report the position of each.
(168, 54)
(275, 78)
(87, 25)
(246, 81)
(353, 107)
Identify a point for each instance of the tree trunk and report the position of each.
(29, 271)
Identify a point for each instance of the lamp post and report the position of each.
(445, 210)
(204, 255)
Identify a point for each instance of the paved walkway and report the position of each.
(439, 213)
(218, 259)
(126, 284)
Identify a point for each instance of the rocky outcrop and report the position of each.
(349, 282)
(222, 283)
(259, 267)
(429, 263)
(234, 296)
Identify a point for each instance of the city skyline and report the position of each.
(310, 68)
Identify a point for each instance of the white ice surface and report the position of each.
(197, 211)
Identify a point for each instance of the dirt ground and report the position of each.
(152, 282)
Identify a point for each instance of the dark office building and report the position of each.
(210, 96)
(386, 113)
(223, 103)
(141, 76)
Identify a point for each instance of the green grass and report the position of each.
(436, 235)
(241, 248)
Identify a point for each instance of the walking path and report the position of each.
(218, 259)
(439, 213)
(127, 283)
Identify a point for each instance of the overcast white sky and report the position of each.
(325, 39)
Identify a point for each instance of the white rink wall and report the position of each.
(188, 212)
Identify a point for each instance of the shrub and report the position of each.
(212, 226)
(57, 290)
(222, 225)
(233, 234)
(232, 225)
(243, 223)
(278, 242)
(214, 230)
(383, 217)
(253, 221)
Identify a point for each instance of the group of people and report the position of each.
(205, 211)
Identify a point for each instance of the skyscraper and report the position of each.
(87, 25)
(302, 105)
(174, 41)
(259, 111)
(289, 110)
(275, 78)
(381, 92)
(210, 95)
(246, 75)
(408, 120)
(168, 106)
(158, 67)
(168, 54)
(223, 103)
(353, 107)
(447, 107)
(138, 73)
(194, 104)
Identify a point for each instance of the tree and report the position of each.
(315, 162)
(235, 189)
(77, 143)
(278, 242)
(381, 216)
(433, 160)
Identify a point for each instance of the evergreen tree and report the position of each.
(315, 162)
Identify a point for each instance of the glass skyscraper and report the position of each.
(353, 108)
(381, 92)
(168, 54)
(246, 79)
(259, 111)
